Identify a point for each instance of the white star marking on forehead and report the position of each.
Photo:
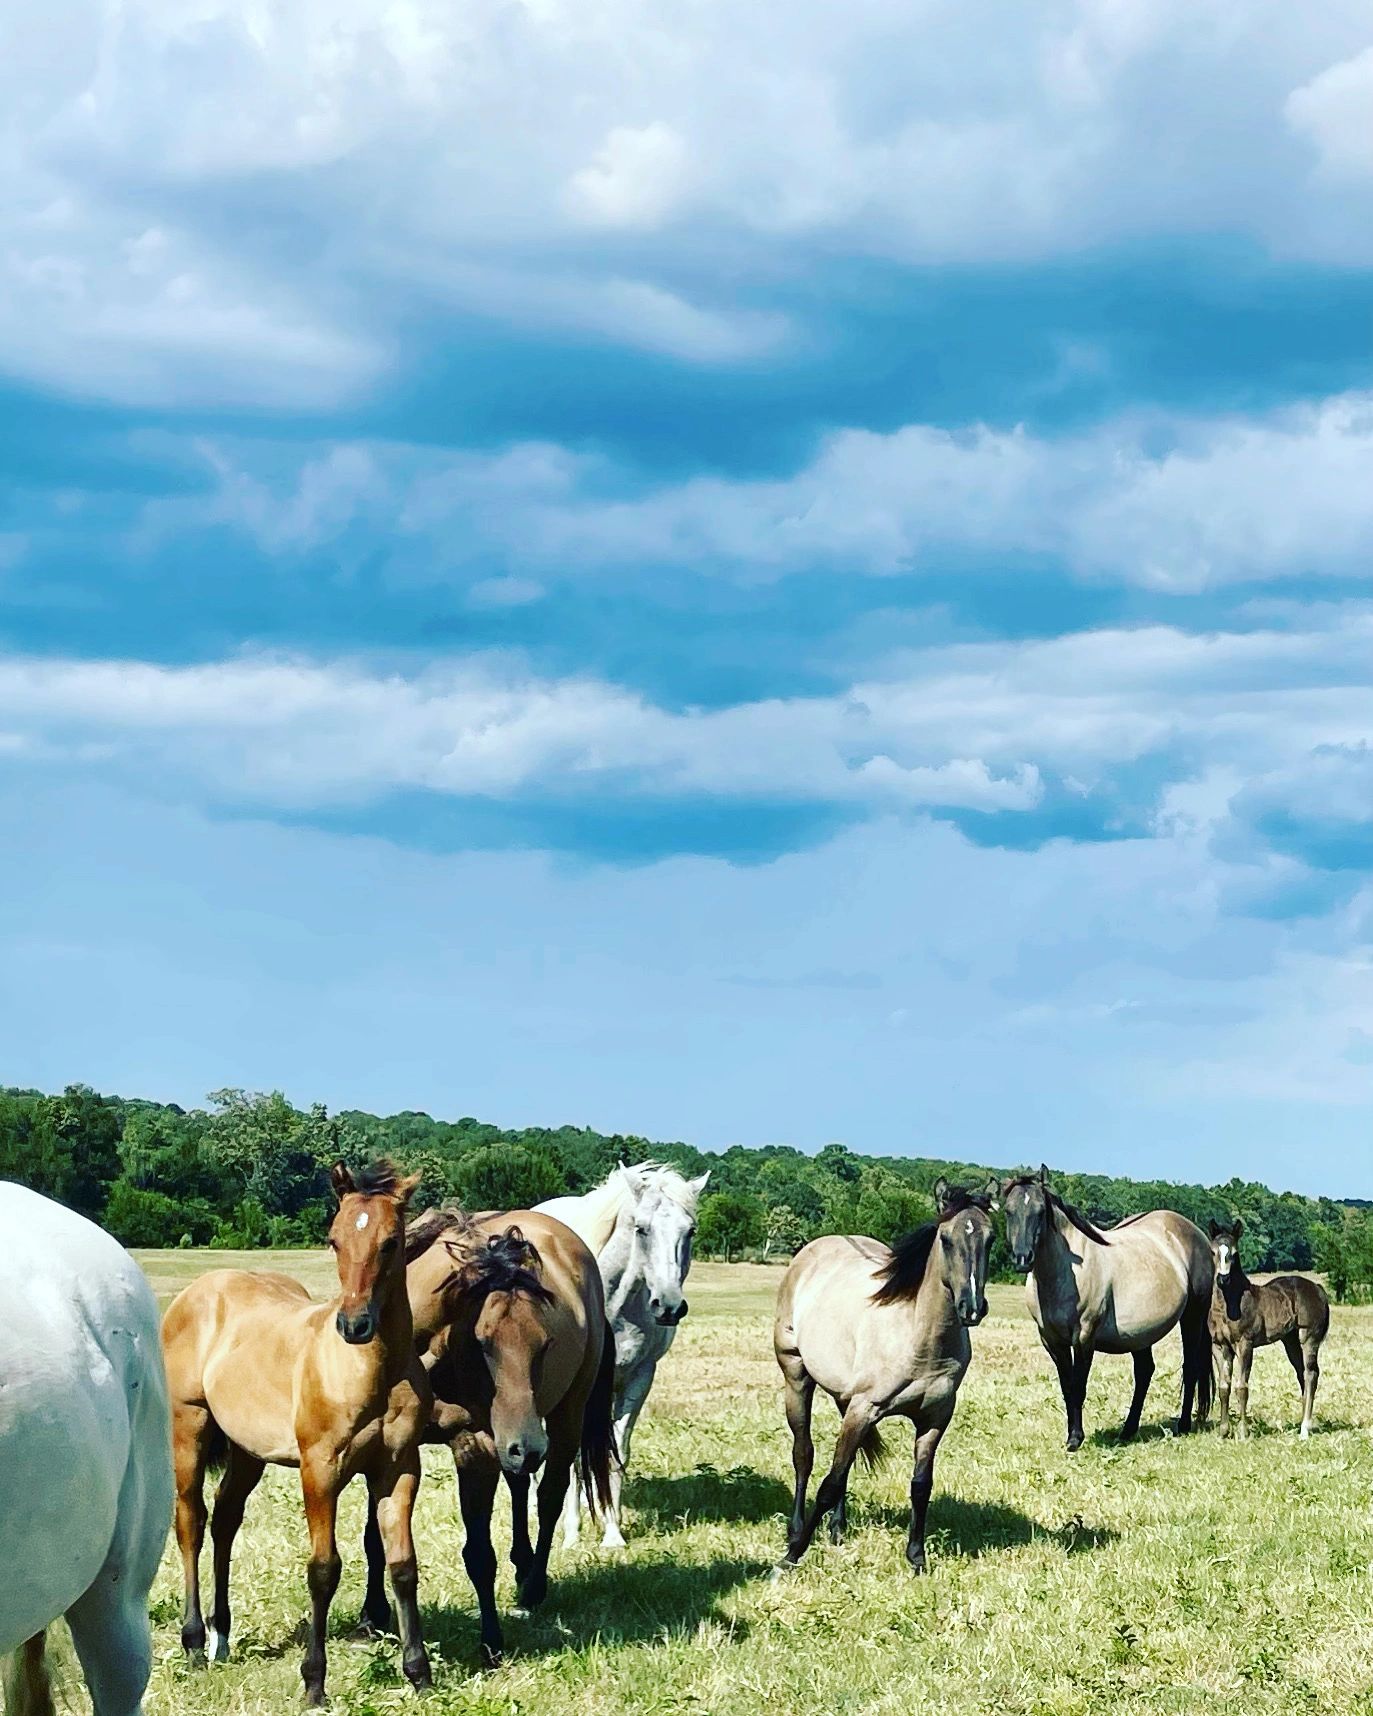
(362, 1221)
(970, 1225)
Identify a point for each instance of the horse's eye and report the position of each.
(333, 1243)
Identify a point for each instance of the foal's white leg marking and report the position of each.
(1306, 1429)
(572, 1514)
(216, 1646)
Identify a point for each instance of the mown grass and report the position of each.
(1167, 1576)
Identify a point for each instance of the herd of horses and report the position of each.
(526, 1342)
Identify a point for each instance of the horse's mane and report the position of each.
(379, 1179)
(502, 1263)
(902, 1274)
(1088, 1229)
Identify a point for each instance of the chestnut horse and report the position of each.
(1246, 1314)
(260, 1374)
(884, 1331)
(509, 1317)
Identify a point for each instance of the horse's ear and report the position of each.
(1238, 1228)
(633, 1178)
(992, 1189)
(1212, 1229)
(698, 1185)
(405, 1189)
(941, 1192)
(1043, 1175)
(341, 1179)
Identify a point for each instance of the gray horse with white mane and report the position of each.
(638, 1223)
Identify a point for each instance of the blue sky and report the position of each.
(766, 577)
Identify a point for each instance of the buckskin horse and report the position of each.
(260, 1374)
(509, 1317)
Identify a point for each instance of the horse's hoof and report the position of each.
(916, 1563)
(783, 1570)
(1074, 1443)
(216, 1646)
(492, 1656)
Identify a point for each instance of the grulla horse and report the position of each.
(884, 1331)
(1117, 1290)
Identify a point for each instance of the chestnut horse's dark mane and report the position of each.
(901, 1277)
(1088, 1229)
(379, 1179)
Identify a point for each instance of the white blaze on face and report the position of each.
(362, 1221)
(972, 1269)
(1224, 1254)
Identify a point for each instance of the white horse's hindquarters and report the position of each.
(62, 1463)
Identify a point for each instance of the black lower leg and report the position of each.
(1144, 1374)
(376, 1610)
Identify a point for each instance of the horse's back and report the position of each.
(1304, 1304)
(822, 1304)
(85, 1464)
(1151, 1268)
(233, 1339)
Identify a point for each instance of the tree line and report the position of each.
(251, 1170)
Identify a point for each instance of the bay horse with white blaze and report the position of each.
(260, 1374)
(1246, 1314)
(884, 1331)
(509, 1320)
(85, 1455)
(1114, 1291)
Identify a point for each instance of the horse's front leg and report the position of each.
(564, 1440)
(477, 1485)
(395, 1489)
(1224, 1355)
(922, 1484)
(1245, 1355)
(521, 1549)
(628, 1408)
(859, 1419)
(319, 1481)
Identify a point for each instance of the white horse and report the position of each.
(85, 1454)
(639, 1224)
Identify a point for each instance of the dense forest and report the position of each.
(251, 1170)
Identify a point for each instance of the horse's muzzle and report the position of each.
(357, 1331)
(1025, 1261)
(670, 1319)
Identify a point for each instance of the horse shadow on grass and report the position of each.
(974, 1528)
(619, 1602)
(739, 1495)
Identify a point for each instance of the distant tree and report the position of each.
(783, 1230)
(729, 1223)
(506, 1177)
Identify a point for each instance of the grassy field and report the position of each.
(1166, 1576)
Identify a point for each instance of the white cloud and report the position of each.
(972, 727)
(530, 143)
(1229, 500)
(1335, 112)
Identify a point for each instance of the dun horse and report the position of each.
(1245, 1315)
(884, 1331)
(260, 1374)
(1118, 1291)
(509, 1318)
(639, 1226)
(85, 1465)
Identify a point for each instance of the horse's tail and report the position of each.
(1198, 1368)
(25, 1679)
(216, 1450)
(872, 1450)
(598, 1452)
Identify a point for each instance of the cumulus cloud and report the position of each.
(1182, 505)
(489, 143)
(975, 728)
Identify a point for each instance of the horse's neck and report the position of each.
(1060, 1267)
(621, 1264)
(599, 1215)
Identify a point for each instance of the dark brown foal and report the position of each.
(1246, 1314)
